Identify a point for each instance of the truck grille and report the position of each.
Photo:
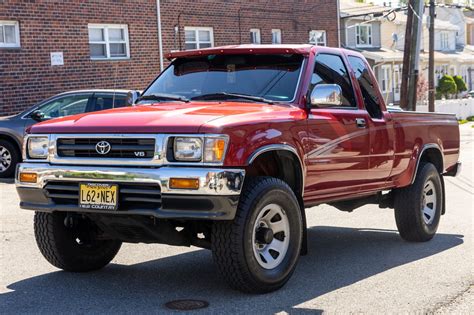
(131, 195)
(135, 148)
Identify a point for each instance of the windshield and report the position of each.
(270, 77)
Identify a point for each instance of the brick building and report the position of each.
(48, 46)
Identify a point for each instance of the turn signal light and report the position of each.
(28, 177)
(184, 183)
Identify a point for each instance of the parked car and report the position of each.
(228, 149)
(12, 128)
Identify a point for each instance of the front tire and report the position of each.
(418, 207)
(72, 248)
(259, 250)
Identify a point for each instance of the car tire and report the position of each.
(418, 207)
(63, 247)
(258, 251)
(10, 156)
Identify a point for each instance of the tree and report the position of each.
(422, 87)
(460, 84)
(446, 86)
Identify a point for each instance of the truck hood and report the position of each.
(158, 118)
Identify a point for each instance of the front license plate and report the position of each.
(98, 196)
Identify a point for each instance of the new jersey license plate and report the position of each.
(99, 196)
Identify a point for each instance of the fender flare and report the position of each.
(426, 147)
(280, 147)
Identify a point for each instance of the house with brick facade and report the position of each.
(47, 47)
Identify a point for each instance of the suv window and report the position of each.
(109, 101)
(330, 69)
(65, 106)
(367, 86)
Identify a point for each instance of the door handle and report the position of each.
(361, 123)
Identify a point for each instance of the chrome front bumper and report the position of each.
(219, 187)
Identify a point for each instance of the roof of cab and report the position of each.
(244, 49)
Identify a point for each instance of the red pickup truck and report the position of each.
(225, 151)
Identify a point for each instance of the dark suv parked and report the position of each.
(12, 128)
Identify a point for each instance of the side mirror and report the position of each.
(132, 97)
(37, 116)
(326, 95)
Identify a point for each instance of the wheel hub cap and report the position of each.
(428, 202)
(264, 235)
(5, 159)
(271, 236)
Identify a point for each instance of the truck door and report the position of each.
(338, 140)
(379, 123)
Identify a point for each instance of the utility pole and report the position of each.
(406, 58)
(431, 95)
(418, 7)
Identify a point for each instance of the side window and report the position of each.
(109, 101)
(65, 106)
(367, 86)
(330, 69)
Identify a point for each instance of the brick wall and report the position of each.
(26, 74)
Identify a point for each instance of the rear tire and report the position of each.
(72, 249)
(9, 157)
(418, 207)
(258, 251)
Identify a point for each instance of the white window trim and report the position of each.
(196, 30)
(17, 44)
(369, 34)
(258, 37)
(107, 42)
(443, 36)
(324, 36)
(386, 77)
(277, 31)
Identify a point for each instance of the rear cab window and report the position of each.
(368, 87)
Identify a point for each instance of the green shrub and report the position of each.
(463, 121)
(470, 118)
(446, 86)
(460, 84)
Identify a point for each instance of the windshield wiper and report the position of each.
(225, 95)
(163, 97)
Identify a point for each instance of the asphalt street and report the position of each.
(356, 264)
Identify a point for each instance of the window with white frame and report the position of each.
(276, 36)
(9, 34)
(444, 40)
(386, 79)
(108, 41)
(198, 37)
(364, 35)
(255, 36)
(317, 37)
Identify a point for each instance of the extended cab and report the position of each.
(225, 150)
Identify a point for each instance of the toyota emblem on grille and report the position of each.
(103, 147)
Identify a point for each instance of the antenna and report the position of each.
(115, 84)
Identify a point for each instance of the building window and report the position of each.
(276, 36)
(364, 35)
(108, 41)
(9, 34)
(317, 38)
(255, 36)
(198, 37)
(444, 40)
(386, 79)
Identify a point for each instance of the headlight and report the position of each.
(38, 147)
(188, 149)
(206, 149)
